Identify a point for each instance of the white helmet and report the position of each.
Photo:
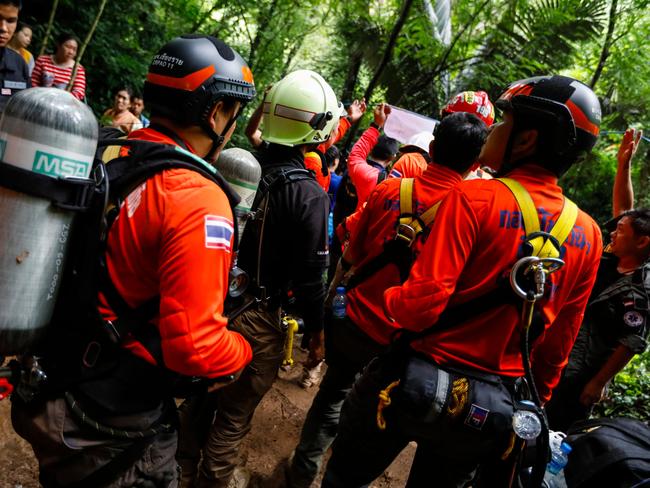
(301, 108)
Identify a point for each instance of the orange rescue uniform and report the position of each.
(409, 165)
(376, 225)
(313, 160)
(162, 244)
(476, 238)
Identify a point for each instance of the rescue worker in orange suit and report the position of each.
(452, 389)
(365, 332)
(172, 239)
(414, 158)
(284, 249)
(314, 160)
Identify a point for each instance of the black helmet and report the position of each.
(565, 111)
(190, 74)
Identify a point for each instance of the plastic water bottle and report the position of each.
(330, 226)
(339, 303)
(526, 424)
(554, 477)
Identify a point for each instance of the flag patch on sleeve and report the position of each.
(218, 232)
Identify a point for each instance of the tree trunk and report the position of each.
(604, 54)
(292, 53)
(351, 78)
(263, 19)
(382, 65)
(48, 30)
(83, 47)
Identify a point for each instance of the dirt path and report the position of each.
(276, 428)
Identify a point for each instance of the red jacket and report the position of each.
(476, 237)
(376, 225)
(172, 239)
(364, 176)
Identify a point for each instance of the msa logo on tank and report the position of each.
(55, 165)
(40, 157)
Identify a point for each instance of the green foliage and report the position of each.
(629, 393)
(493, 43)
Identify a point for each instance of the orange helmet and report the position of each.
(476, 103)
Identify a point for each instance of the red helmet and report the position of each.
(565, 111)
(476, 103)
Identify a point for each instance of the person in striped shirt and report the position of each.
(56, 69)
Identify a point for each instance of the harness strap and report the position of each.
(273, 179)
(70, 193)
(544, 244)
(134, 321)
(398, 251)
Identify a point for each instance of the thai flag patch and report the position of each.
(218, 232)
(476, 417)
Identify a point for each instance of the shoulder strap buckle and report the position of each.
(406, 234)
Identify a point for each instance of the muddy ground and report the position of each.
(276, 427)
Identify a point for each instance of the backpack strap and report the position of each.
(274, 179)
(398, 250)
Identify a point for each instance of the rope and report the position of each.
(384, 401)
(155, 429)
(459, 394)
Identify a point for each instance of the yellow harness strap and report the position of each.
(542, 247)
(406, 208)
(110, 153)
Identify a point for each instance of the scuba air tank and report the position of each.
(242, 171)
(51, 137)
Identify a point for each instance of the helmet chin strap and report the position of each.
(217, 139)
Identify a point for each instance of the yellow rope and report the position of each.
(384, 401)
(511, 446)
(459, 394)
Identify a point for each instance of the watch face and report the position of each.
(633, 319)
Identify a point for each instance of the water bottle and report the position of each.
(330, 227)
(339, 303)
(554, 477)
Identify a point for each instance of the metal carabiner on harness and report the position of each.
(541, 268)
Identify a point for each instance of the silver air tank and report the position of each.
(242, 171)
(46, 131)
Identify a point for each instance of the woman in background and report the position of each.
(56, 69)
(20, 41)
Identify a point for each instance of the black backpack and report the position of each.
(612, 453)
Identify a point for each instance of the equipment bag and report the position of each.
(399, 250)
(608, 452)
